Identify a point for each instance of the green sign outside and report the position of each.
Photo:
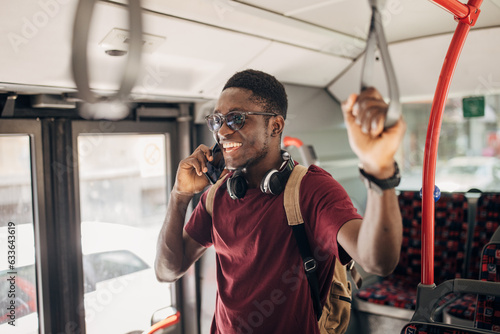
(473, 106)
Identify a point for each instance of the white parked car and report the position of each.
(459, 174)
(465, 173)
(121, 290)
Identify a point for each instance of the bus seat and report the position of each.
(426, 328)
(487, 222)
(487, 316)
(399, 290)
(461, 311)
(488, 307)
(486, 227)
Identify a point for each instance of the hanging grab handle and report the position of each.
(376, 37)
(81, 27)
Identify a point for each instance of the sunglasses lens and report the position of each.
(214, 122)
(235, 120)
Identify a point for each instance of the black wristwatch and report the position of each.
(379, 185)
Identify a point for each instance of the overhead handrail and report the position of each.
(79, 59)
(376, 37)
(434, 127)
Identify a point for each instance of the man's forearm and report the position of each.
(169, 263)
(380, 235)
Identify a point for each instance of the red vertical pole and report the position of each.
(433, 130)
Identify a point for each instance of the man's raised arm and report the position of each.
(176, 251)
(374, 242)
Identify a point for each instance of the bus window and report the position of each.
(469, 147)
(123, 194)
(18, 296)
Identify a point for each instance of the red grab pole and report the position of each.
(456, 8)
(431, 144)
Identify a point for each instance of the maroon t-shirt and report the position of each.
(261, 283)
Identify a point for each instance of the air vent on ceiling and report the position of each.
(118, 40)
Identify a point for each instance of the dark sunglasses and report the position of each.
(234, 119)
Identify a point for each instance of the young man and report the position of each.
(261, 284)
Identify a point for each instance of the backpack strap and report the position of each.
(209, 204)
(296, 221)
(291, 196)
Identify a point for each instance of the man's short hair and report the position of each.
(266, 89)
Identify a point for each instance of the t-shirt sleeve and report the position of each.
(199, 225)
(328, 207)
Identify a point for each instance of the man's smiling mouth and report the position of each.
(230, 146)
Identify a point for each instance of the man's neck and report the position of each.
(255, 173)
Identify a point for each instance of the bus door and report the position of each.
(123, 177)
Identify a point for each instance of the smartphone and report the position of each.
(216, 166)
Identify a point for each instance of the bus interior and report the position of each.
(100, 100)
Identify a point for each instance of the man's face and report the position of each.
(247, 146)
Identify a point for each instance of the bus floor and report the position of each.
(368, 323)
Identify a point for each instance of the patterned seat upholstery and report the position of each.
(488, 307)
(400, 288)
(463, 308)
(391, 292)
(487, 221)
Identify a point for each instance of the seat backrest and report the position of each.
(450, 237)
(488, 307)
(451, 226)
(487, 222)
(410, 205)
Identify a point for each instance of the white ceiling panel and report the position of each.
(353, 18)
(35, 47)
(299, 66)
(194, 58)
(186, 64)
(403, 19)
(235, 16)
(286, 7)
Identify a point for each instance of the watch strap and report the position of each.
(379, 185)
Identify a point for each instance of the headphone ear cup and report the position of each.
(237, 185)
(268, 181)
(274, 181)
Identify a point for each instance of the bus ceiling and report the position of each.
(190, 47)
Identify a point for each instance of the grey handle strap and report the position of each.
(376, 37)
(79, 59)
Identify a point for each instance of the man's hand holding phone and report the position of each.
(216, 166)
(192, 173)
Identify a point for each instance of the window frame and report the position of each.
(33, 129)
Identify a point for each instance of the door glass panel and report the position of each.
(123, 195)
(18, 292)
